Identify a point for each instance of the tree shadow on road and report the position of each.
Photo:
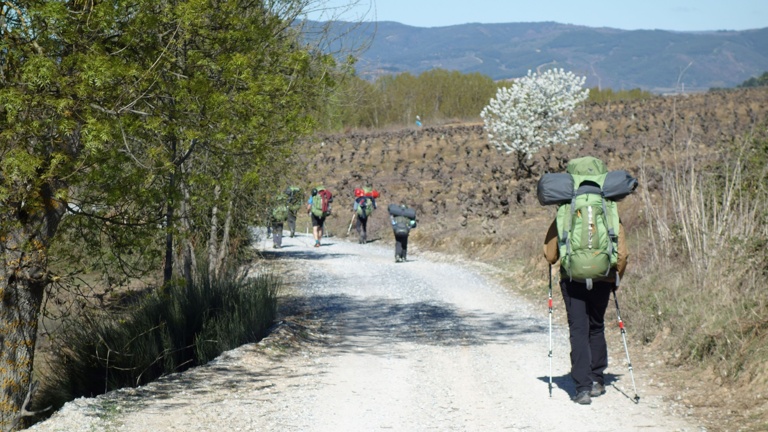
(353, 323)
(309, 254)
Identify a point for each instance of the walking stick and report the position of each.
(626, 350)
(550, 330)
(351, 222)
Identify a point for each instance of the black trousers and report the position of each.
(292, 223)
(401, 245)
(361, 226)
(586, 323)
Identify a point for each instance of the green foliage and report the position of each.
(130, 126)
(437, 96)
(166, 331)
(609, 95)
(130, 110)
(760, 81)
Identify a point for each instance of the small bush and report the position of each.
(170, 330)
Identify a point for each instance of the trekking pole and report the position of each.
(550, 330)
(626, 350)
(350, 223)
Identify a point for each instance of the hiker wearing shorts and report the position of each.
(316, 215)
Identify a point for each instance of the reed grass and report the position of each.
(701, 286)
(169, 330)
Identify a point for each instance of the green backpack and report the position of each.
(280, 213)
(294, 198)
(320, 202)
(588, 226)
(364, 207)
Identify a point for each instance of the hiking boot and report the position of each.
(317, 243)
(597, 390)
(582, 398)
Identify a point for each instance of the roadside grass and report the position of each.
(703, 288)
(168, 330)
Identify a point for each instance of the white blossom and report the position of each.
(535, 112)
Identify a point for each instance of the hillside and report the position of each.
(653, 60)
(470, 203)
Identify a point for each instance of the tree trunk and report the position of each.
(22, 296)
(188, 260)
(212, 254)
(168, 265)
(224, 245)
(24, 276)
(169, 220)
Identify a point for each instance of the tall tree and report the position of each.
(127, 113)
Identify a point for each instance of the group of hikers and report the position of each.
(319, 207)
(586, 239)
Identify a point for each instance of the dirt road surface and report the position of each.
(367, 344)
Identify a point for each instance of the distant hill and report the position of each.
(653, 60)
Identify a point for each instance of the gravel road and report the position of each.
(367, 344)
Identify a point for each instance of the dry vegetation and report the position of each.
(695, 302)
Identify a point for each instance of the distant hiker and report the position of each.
(277, 218)
(587, 239)
(418, 121)
(363, 207)
(403, 220)
(319, 207)
(293, 194)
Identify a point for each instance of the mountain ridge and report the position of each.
(653, 60)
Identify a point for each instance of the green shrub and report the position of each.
(170, 330)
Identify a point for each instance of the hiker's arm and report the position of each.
(551, 251)
(621, 263)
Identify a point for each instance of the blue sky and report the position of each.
(679, 15)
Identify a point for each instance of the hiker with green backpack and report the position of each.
(365, 204)
(294, 199)
(319, 207)
(587, 239)
(278, 217)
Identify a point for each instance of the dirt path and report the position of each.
(367, 344)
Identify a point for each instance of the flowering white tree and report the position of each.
(535, 112)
